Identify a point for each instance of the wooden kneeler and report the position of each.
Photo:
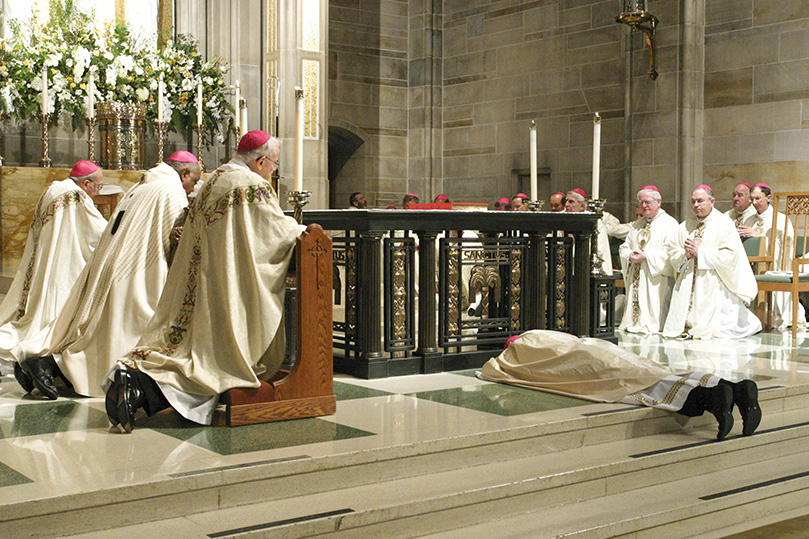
(307, 390)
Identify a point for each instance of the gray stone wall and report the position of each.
(757, 93)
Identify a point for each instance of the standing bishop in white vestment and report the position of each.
(648, 276)
(576, 201)
(64, 232)
(597, 370)
(714, 282)
(115, 296)
(761, 194)
(219, 324)
(742, 213)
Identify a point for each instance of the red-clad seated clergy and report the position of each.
(64, 232)
(219, 324)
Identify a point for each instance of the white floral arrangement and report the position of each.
(125, 68)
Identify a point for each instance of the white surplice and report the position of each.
(591, 369)
(219, 323)
(782, 301)
(613, 227)
(64, 232)
(648, 283)
(746, 218)
(713, 289)
(603, 246)
(116, 294)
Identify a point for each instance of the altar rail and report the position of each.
(415, 294)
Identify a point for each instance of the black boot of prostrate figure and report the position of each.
(745, 397)
(717, 400)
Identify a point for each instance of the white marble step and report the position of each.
(502, 487)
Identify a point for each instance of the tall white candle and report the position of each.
(243, 119)
(596, 154)
(237, 114)
(44, 90)
(298, 139)
(533, 139)
(161, 91)
(91, 86)
(199, 103)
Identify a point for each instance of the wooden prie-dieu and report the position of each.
(307, 389)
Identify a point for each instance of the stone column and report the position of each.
(691, 106)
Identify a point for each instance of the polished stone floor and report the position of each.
(50, 448)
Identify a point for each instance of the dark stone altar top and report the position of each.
(438, 220)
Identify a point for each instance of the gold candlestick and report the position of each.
(91, 138)
(298, 199)
(237, 136)
(597, 206)
(536, 205)
(200, 129)
(161, 133)
(45, 161)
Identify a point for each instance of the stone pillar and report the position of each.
(691, 106)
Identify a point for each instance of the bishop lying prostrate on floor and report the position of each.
(116, 294)
(714, 283)
(219, 324)
(597, 370)
(64, 232)
(648, 276)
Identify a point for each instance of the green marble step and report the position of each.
(369, 493)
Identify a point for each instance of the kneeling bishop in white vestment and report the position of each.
(116, 294)
(64, 232)
(714, 283)
(219, 324)
(597, 370)
(648, 276)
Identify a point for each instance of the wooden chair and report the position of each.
(794, 236)
(307, 390)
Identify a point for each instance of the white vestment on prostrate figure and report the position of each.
(648, 283)
(713, 289)
(591, 369)
(64, 232)
(116, 294)
(746, 218)
(782, 301)
(219, 323)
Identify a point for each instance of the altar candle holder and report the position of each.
(536, 205)
(91, 138)
(160, 127)
(200, 129)
(2, 119)
(46, 161)
(237, 136)
(298, 199)
(596, 206)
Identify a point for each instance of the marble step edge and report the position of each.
(576, 484)
(464, 509)
(470, 448)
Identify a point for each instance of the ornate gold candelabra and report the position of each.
(298, 199)
(237, 136)
(596, 206)
(634, 15)
(45, 161)
(91, 138)
(536, 205)
(200, 129)
(160, 127)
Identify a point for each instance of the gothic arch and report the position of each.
(344, 140)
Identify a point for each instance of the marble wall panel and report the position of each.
(729, 88)
(737, 53)
(765, 12)
(781, 175)
(781, 77)
(747, 148)
(760, 118)
(725, 11)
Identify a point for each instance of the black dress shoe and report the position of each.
(745, 397)
(23, 379)
(130, 396)
(111, 401)
(720, 404)
(40, 370)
